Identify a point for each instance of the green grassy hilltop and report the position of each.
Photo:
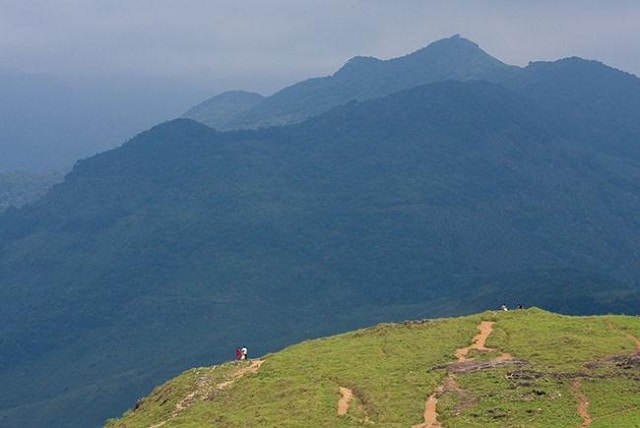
(522, 368)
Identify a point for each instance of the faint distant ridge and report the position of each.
(593, 99)
(361, 78)
(18, 188)
(219, 110)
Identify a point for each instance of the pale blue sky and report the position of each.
(265, 45)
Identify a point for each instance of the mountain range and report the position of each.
(440, 183)
(361, 78)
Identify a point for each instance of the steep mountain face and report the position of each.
(173, 249)
(364, 78)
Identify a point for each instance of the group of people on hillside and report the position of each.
(505, 308)
(241, 353)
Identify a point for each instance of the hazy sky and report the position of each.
(263, 45)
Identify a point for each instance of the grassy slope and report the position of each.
(393, 368)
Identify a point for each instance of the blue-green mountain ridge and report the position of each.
(444, 198)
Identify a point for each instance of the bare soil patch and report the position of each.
(346, 395)
(430, 411)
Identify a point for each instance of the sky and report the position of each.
(264, 45)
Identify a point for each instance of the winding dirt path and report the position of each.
(635, 339)
(203, 390)
(583, 404)
(631, 337)
(345, 400)
(430, 411)
(252, 368)
(477, 343)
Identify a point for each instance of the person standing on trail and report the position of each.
(244, 353)
(238, 354)
(504, 307)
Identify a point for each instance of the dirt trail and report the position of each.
(583, 404)
(202, 391)
(631, 337)
(478, 343)
(430, 411)
(345, 400)
(252, 368)
(635, 339)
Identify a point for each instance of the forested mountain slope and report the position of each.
(171, 250)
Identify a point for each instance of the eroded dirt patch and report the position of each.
(346, 395)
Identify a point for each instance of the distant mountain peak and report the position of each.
(216, 111)
(455, 40)
(237, 94)
(452, 46)
(358, 64)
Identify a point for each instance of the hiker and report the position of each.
(504, 307)
(244, 353)
(238, 354)
(519, 306)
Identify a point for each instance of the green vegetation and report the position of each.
(392, 369)
(438, 200)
